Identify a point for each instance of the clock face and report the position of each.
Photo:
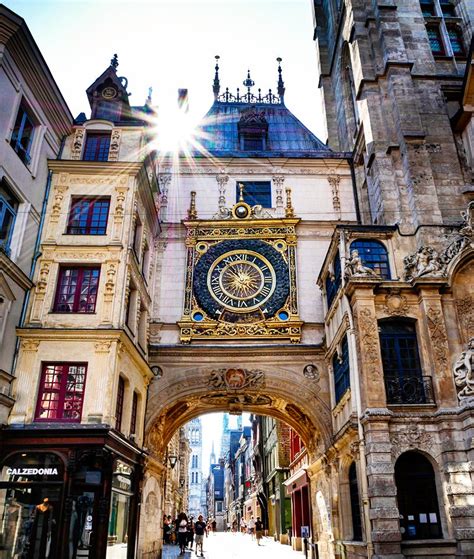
(109, 92)
(241, 280)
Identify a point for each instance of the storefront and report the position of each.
(298, 489)
(68, 501)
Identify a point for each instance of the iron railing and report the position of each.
(409, 390)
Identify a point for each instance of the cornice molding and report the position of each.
(106, 168)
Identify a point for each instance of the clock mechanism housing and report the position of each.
(240, 279)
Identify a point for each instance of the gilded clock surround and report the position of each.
(240, 278)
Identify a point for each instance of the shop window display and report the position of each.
(119, 511)
(30, 497)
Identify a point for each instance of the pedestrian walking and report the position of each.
(251, 527)
(190, 532)
(258, 529)
(182, 532)
(214, 526)
(200, 529)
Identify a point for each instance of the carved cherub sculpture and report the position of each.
(464, 374)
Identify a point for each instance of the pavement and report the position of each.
(236, 546)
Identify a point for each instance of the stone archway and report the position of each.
(289, 384)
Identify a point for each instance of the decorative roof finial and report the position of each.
(281, 85)
(192, 213)
(241, 191)
(249, 83)
(114, 62)
(148, 99)
(289, 211)
(217, 84)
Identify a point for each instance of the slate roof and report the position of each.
(287, 136)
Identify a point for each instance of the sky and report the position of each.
(168, 45)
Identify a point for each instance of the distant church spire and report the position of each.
(217, 85)
(281, 85)
(213, 454)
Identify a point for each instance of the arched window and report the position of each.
(417, 498)
(355, 504)
(404, 382)
(341, 368)
(374, 255)
(333, 282)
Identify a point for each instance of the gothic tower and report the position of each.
(195, 467)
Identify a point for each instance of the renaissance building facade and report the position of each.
(260, 269)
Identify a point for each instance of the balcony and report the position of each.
(409, 390)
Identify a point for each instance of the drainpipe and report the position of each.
(356, 392)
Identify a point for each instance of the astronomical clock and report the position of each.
(240, 276)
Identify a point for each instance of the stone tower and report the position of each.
(392, 75)
(398, 96)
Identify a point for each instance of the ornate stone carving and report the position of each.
(425, 262)
(236, 379)
(59, 192)
(77, 142)
(278, 181)
(465, 308)
(42, 282)
(115, 144)
(236, 400)
(30, 345)
(222, 180)
(164, 180)
(354, 450)
(334, 181)
(355, 268)
(438, 336)
(311, 372)
(110, 282)
(369, 343)
(411, 436)
(103, 347)
(396, 304)
(467, 229)
(464, 374)
(120, 202)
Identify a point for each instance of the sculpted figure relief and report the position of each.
(464, 374)
(355, 267)
(426, 261)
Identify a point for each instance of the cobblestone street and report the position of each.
(236, 546)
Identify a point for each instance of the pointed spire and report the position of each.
(114, 62)
(241, 192)
(281, 85)
(217, 84)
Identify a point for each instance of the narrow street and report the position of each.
(236, 546)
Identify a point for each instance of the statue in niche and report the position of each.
(355, 267)
(464, 374)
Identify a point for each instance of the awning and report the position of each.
(296, 481)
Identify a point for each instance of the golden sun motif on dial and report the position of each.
(241, 280)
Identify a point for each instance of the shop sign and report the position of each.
(32, 471)
(122, 478)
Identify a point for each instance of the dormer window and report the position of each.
(253, 130)
(97, 146)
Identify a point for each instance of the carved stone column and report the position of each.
(109, 292)
(369, 355)
(57, 208)
(98, 407)
(437, 356)
(76, 150)
(222, 180)
(119, 212)
(334, 181)
(115, 144)
(39, 293)
(278, 181)
(164, 180)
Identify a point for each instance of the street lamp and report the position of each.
(172, 459)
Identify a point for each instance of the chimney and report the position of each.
(183, 100)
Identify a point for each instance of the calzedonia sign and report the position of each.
(29, 471)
